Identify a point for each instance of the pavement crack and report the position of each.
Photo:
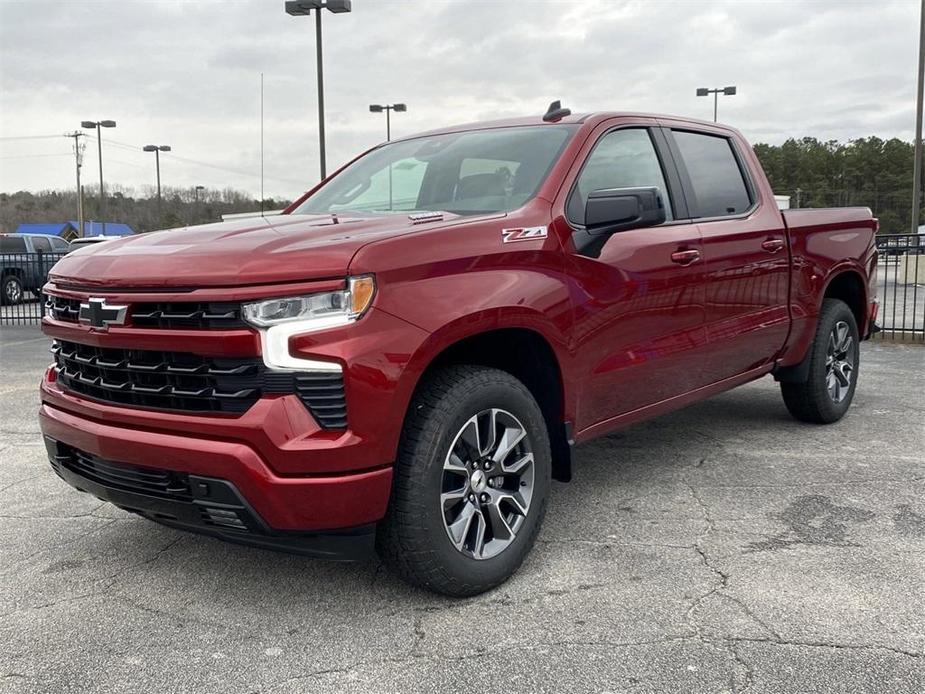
(610, 543)
(20, 481)
(778, 641)
(748, 674)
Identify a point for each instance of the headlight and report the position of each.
(347, 305)
(280, 319)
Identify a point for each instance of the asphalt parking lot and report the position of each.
(717, 549)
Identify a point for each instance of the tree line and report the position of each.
(867, 172)
(139, 209)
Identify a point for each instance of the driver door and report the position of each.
(639, 307)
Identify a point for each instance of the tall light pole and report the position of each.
(728, 91)
(917, 164)
(78, 156)
(388, 108)
(97, 124)
(157, 149)
(299, 8)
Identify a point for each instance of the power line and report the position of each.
(28, 137)
(218, 167)
(35, 156)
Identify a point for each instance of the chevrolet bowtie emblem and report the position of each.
(99, 314)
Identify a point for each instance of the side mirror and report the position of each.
(617, 209)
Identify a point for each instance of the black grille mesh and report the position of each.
(161, 483)
(187, 315)
(177, 315)
(187, 382)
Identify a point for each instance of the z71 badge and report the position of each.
(523, 234)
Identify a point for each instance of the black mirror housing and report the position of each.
(610, 210)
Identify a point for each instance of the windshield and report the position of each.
(473, 172)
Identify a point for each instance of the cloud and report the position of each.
(188, 75)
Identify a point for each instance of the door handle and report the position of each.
(772, 245)
(685, 258)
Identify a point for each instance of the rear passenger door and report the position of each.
(745, 253)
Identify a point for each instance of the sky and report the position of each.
(187, 74)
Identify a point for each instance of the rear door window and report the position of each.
(41, 243)
(718, 185)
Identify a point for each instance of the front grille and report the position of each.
(63, 309)
(161, 380)
(165, 484)
(175, 315)
(187, 315)
(187, 382)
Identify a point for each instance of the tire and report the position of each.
(11, 290)
(833, 358)
(452, 413)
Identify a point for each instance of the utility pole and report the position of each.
(78, 157)
(917, 164)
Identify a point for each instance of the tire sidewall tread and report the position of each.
(412, 539)
(809, 401)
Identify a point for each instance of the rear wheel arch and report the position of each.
(848, 286)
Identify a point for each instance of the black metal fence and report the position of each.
(901, 287)
(21, 278)
(900, 279)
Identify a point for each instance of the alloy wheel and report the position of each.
(488, 484)
(839, 362)
(13, 291)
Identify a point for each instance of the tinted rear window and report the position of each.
(717, 180)
(12, 244)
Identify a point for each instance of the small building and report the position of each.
(69, 230)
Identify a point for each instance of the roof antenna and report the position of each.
(556, 112)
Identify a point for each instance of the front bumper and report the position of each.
(199, 504)
(283, 503)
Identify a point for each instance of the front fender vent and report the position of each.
(323, 395)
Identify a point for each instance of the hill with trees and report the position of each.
(140, 210)
(869, 172)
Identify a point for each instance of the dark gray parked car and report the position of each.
(24, 263)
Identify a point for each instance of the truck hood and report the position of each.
(261, 250)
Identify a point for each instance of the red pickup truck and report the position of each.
(405, 357)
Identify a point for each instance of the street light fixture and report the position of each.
(728, 91)
(97, 124)
(388, 108)
(302, 8)
(157, 149)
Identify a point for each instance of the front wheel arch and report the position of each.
(527, 355)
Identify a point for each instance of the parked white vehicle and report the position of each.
(88, 240)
